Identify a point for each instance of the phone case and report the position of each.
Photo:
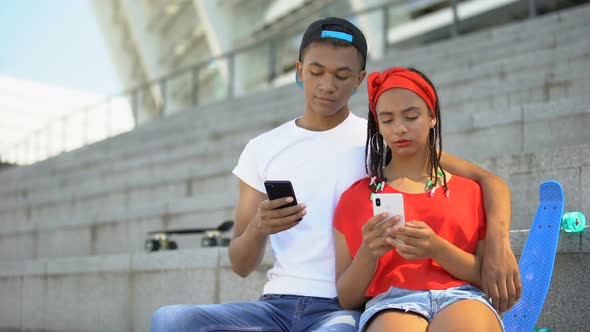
(278, 189)
(392, 203)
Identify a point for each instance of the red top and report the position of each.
(460, 219)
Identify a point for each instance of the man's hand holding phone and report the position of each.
(281, 211)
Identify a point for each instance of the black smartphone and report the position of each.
(278, 189)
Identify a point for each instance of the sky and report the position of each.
(55, 42)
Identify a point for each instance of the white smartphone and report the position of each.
(392, 203)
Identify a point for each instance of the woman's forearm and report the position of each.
(352, 284)
(458, 263)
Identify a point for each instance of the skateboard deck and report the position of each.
(159, 239)
(225, 226)
(537, 259)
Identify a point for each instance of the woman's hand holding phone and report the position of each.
(374, 241)
(416, 241)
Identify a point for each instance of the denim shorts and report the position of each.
(425, 303)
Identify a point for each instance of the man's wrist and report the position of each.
(497, 231)
(254, 232)
(495, 247)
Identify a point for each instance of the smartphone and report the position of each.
(279, 189)
(392, 203)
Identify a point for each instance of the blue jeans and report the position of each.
(425, 303)
(269, 313)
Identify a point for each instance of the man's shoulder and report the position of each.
(273, 134)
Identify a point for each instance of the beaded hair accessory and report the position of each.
(375, 187)
(430, 188)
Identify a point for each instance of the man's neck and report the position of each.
(316, 122)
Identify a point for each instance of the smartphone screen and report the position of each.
(392, 204)
(279, 189)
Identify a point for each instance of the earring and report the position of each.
(298, 81)
(353, 92)
(433, 141)
(384, 160)
(374, 144)
(382, 151)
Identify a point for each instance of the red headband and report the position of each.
(399, 78)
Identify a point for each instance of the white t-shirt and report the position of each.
(321, 165)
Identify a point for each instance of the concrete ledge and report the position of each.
(202, 203)
(520, 33)
(569, 243)
(88, 264)
(120, 292)
(100, 188)
(202, 258)
(528, 114)
(207, 258)
(204, 150)
(120, 230)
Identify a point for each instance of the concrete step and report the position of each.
(120, 292)
(514, 89)
(567, 21)
(487, 54)
(518, 33)
(451, 94)
(74, 161)
(93, 198)
(522, 129)
(461, 86)
(117, 230)
(534, 127)
(570, 165)
(464, 72)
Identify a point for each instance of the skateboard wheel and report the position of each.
(209, 242)
(151, 245)
(573, 222)
(172, 245)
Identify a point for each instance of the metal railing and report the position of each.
(204, 82)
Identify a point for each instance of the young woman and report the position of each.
(423, 275)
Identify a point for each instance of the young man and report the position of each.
(322, 154)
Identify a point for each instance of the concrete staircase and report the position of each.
(72, 227)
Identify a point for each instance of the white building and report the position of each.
(41, 120)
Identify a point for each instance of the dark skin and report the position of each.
(403, 115)
(330, 74)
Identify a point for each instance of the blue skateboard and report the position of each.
(538, 256)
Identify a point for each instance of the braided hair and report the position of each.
(374, 163)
